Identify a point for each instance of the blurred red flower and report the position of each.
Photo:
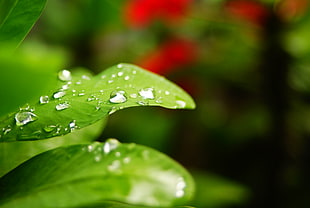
(140, 13)
(171, 55)
(291, 8)
(249, 10)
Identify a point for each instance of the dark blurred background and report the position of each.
(245, 62)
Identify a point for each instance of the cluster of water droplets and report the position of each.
(108, 149)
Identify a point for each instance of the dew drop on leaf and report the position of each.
(119, 66)
(72, 125)
(120, 73)
(64, 75)
(23, 118)
(147, 93)
(44, 99)
(49, 128)
(59, 94)
(180, 103)
(109, 145)
(62, 106)
(126, 78)
(114, 166)
(118, 97)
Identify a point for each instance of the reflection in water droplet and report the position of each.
(109, 145)
(49, 128)
(23, 118)
(114, 166)
(44, 99)
(59, 94)
(62, 106)
(147, 93)
(180, 103)
(64, 75)
(118, 97)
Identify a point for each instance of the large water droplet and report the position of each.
(64, 75)
(44, 99)
(62, 106)
(59, 94)
(118, 97)
(110, 145)
(147, 93)
(23, 118)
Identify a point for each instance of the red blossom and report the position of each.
(140, 13)
(170, 56)
(249, 10)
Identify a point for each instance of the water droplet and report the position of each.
(23, 118)
(65, 87)
(49, 128)
(44, 99)
(180, 103)
(110, 145)
(59, 94)
(180, 187)
(72, 125)
(98, 158)
(118, 97)
(78, 83)
(147, 93)
(117, 154)
(101, 91)
(113, 110)
(90, 148)
(119, 66)
(110, 81)
(62, 106)
(167, 93)
(113, 76)
(134, 95)
(114, 166)
(126, 78)
(159, 100)
(6, 130)
(134, 72)
(85, 77)
(142, 103)
(103, 76)
(120, 73)
(64, 75)
(127, 160)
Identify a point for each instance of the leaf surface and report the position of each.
(81, 100)
(85, 174)
(20, 151)
(17, 17)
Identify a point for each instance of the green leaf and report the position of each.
(17, 17)
(214, 191)
(20, 151)
(82, 100)
(85, 174)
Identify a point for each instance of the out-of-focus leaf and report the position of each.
(26, 74)
(85, 174)
(215, 192)
(114, 204)
(17, 17)
(82, 100)
(13, 154)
